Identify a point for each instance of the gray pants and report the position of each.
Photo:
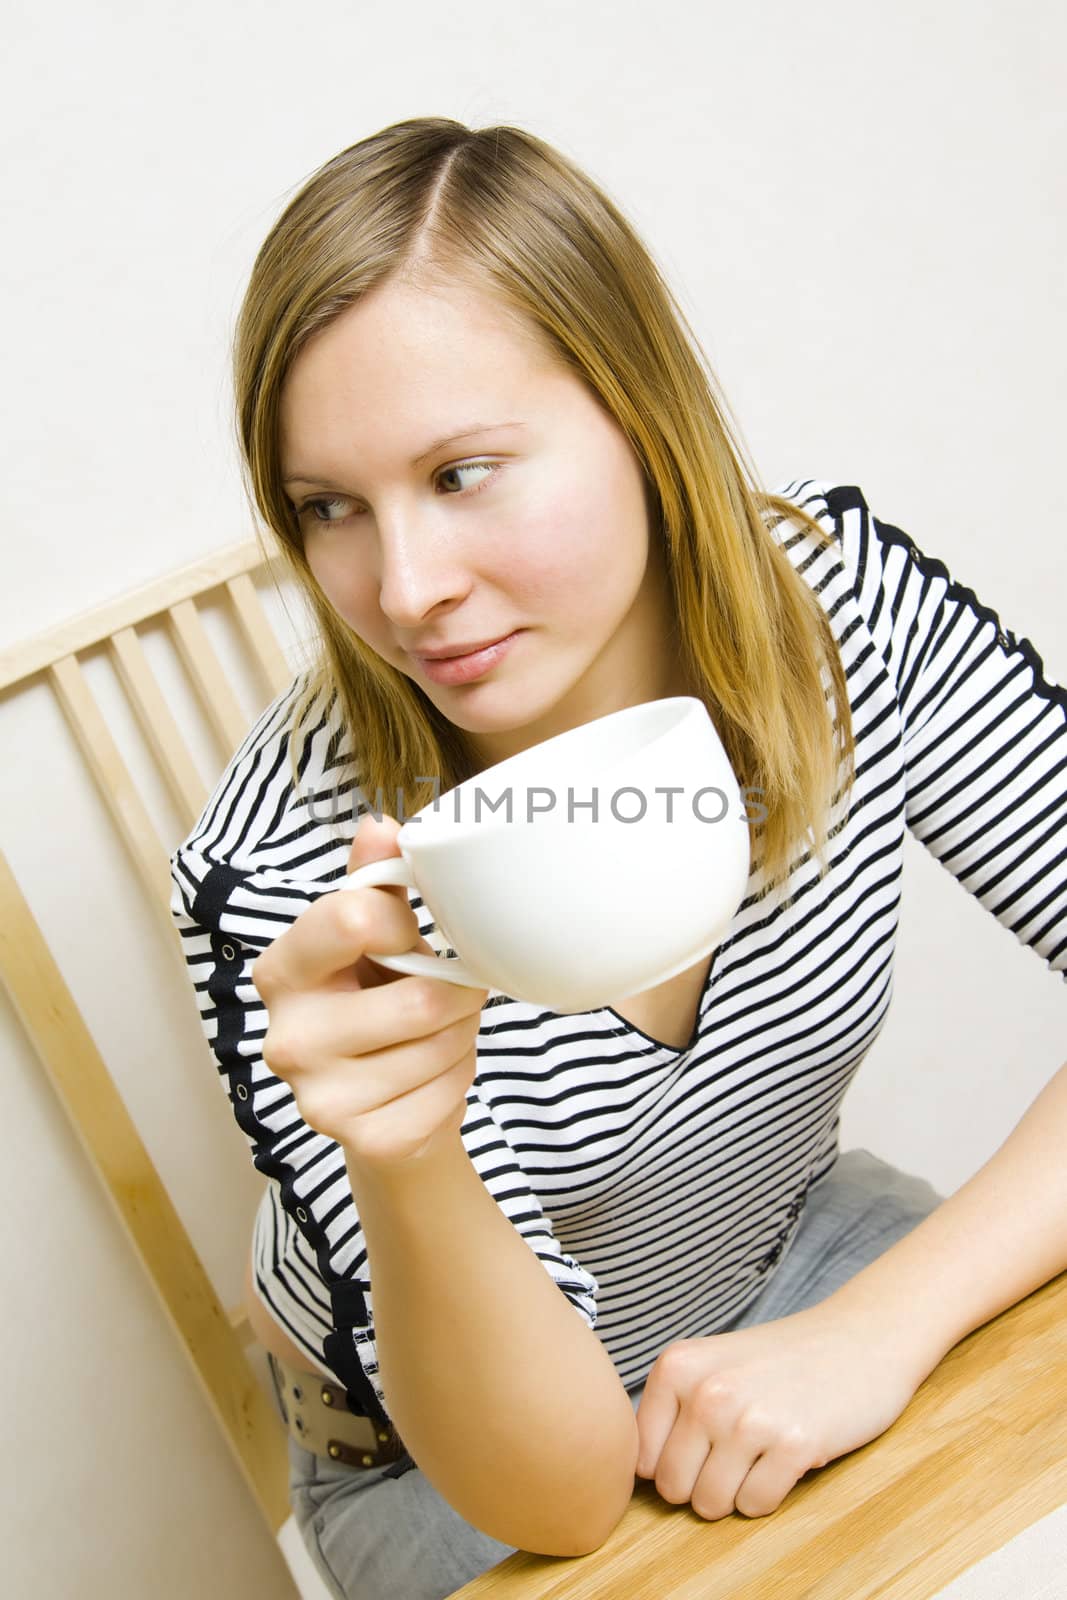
(375, 1537)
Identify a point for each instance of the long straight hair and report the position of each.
(499, 210)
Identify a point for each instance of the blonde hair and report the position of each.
(498, 209)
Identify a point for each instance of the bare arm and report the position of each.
(502, 1393)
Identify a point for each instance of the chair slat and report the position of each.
(115, 782)
(100, 1119)
(160, 729)
(241, 1326)
(29, 656)
(261, 638)
(206, 671)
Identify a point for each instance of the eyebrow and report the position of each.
(450, 438)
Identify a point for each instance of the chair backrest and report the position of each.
(215, 1339)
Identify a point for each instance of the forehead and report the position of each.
(407, 340)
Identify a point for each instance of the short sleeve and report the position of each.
(984, 733)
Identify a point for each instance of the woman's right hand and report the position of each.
(377, 1061)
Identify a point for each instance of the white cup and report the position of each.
(545, 899)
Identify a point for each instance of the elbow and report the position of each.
(621, 1475)
(592, 1535)
(590, 1508)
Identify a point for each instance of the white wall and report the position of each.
(861, 209)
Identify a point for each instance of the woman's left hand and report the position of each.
(733, 1421)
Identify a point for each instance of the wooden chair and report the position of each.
(216, 1340)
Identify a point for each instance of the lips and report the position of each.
(450, 652)
(471, 664)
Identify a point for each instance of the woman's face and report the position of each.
(531, 528)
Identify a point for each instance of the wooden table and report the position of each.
(979, 1454)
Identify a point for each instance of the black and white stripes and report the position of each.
(659, 1187)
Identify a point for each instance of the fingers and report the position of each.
(682, 1462)
(381, 1063)
(409, 1008)
(720, 1475)
(389, 1089)
(402, 1128)
(770, 1479)
(706, 1457)
(376, 840)
(401, 1032)
(372, 840)
(707, 1448)
(332, 935)
(657, 1413)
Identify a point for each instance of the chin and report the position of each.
(501, 709)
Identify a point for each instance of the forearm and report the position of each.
(504, 1396)
(999, 1237)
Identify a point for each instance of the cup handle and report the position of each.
(395, 870)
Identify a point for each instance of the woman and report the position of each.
(506, 1259)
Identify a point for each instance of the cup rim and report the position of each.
(435, 828)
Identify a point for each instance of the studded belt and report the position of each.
(318, 1417)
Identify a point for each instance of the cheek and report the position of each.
(340, 580)
(587, 555)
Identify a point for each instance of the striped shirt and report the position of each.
(658, 1186)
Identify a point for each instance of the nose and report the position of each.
(420, 571)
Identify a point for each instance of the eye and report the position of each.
(314, 507)
(488, 467)
(324, 511)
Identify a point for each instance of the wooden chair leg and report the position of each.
(100, 1119)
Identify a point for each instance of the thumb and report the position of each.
(374, 840)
